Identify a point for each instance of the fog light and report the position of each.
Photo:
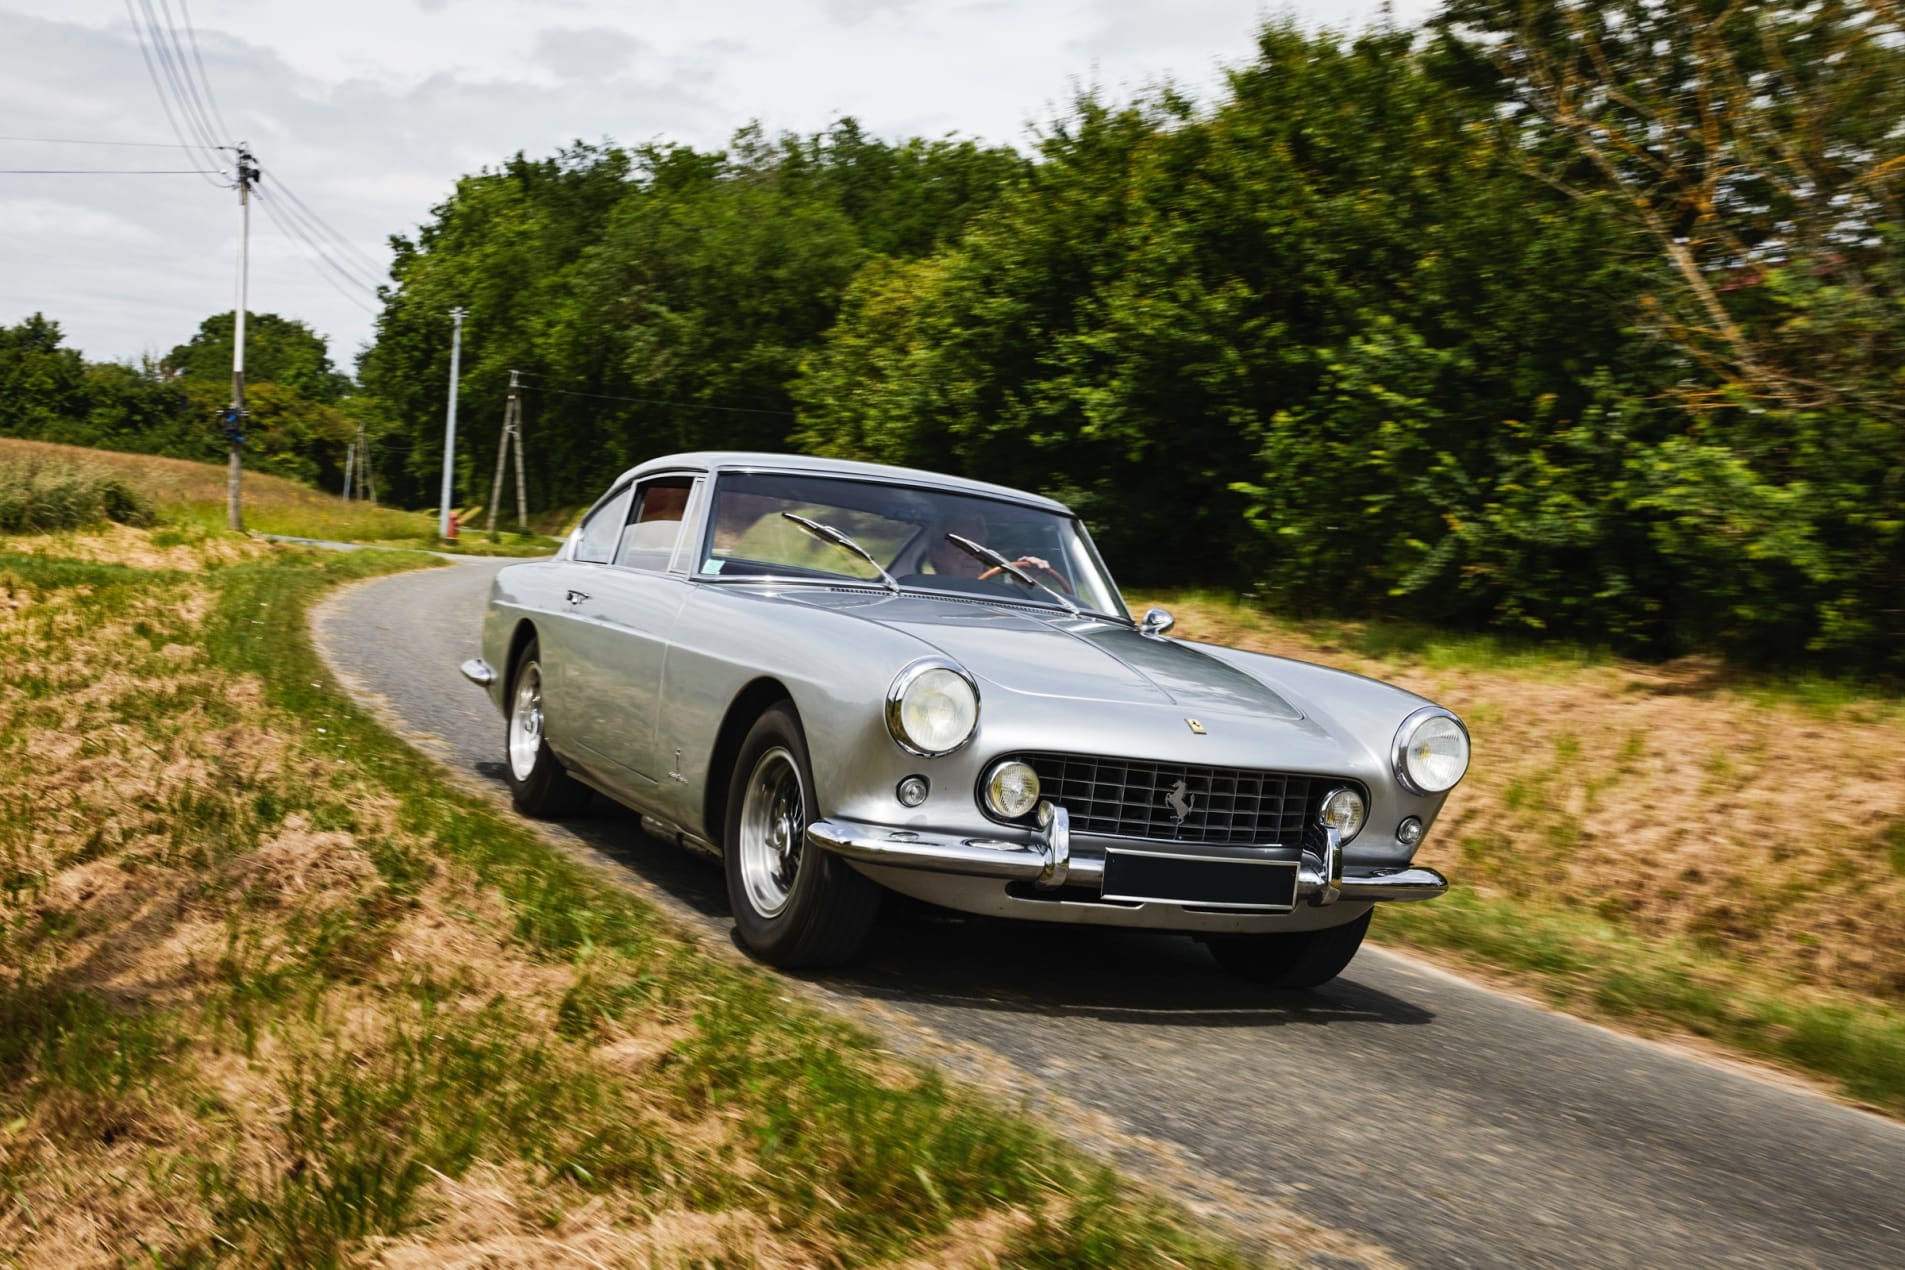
(1409, 832)
(913, 790)
(1012, 789)
(1343, 811)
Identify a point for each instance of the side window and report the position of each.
(648, 541)
(596, 545)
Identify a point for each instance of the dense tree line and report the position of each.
(1575, 317)
(654, 299)
(301, 410)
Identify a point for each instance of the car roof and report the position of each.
(752, 461)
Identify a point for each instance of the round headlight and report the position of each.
(932, 708)
(1011, 788)
(1431, 751)
(1343, 811)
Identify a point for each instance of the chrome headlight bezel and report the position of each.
(909, 679)
(1405, 740)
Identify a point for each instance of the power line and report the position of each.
(369, 266)
(289, 220)
(74, 141)
(660, 401)
(204, 79)
(184, 91)
(158, 86)
(108, 171)
(323, 259)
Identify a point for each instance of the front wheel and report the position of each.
(538, 783)
(1296, 959)
(794, 906)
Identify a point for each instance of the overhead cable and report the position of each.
(172, 57)
(74, 141)
(289, 216)
(327, 268)
(158, 86)
(659, 401)
(198, 61)
(106, 171)
(369, 265)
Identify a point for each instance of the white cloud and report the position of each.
(369, 111)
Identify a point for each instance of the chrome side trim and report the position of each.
(478, 672)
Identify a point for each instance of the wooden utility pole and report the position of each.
(512, 432)
(235, 414)
(350, 460)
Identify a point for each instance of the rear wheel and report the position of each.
(793, 905)
(538, 784)
(1296, 959)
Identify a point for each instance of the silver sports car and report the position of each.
(844, 679)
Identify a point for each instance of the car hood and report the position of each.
(1082, 658)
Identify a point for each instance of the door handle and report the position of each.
(576, 597)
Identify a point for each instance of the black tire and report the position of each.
(794, 906)
(538, 783)
(1299, 959)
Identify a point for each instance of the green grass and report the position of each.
(377, 1080)
(39, 496)
(1591, 967)
(1400, 643)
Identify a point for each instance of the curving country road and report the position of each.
(1439, 1122)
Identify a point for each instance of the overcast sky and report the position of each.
(368, 111)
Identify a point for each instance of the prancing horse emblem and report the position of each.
(1196, 726)
(1179, 801)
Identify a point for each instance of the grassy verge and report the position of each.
(1673, 847)
(271, 992)
(191, 496)
(37, 496)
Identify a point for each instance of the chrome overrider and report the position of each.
(1047, 860)
(478, 672)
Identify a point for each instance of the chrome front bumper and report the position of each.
(1047, 861)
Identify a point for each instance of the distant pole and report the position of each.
(350, 459)
(235, 417)
(449, 424)
(512, 428)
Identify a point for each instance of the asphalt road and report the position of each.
(1445, 1123)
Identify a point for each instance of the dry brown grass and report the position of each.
(1660, 800)
(252, 1009)
(187, 492)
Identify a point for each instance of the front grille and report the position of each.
(1228, 806)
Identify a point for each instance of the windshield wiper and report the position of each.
(993, 558)
(827, 533)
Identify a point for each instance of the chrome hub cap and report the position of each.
(525, 722)
(773, 828)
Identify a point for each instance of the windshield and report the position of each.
(911, 532)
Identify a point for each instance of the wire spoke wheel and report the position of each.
(773, 829)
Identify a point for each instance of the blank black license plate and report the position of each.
(1210, 881)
